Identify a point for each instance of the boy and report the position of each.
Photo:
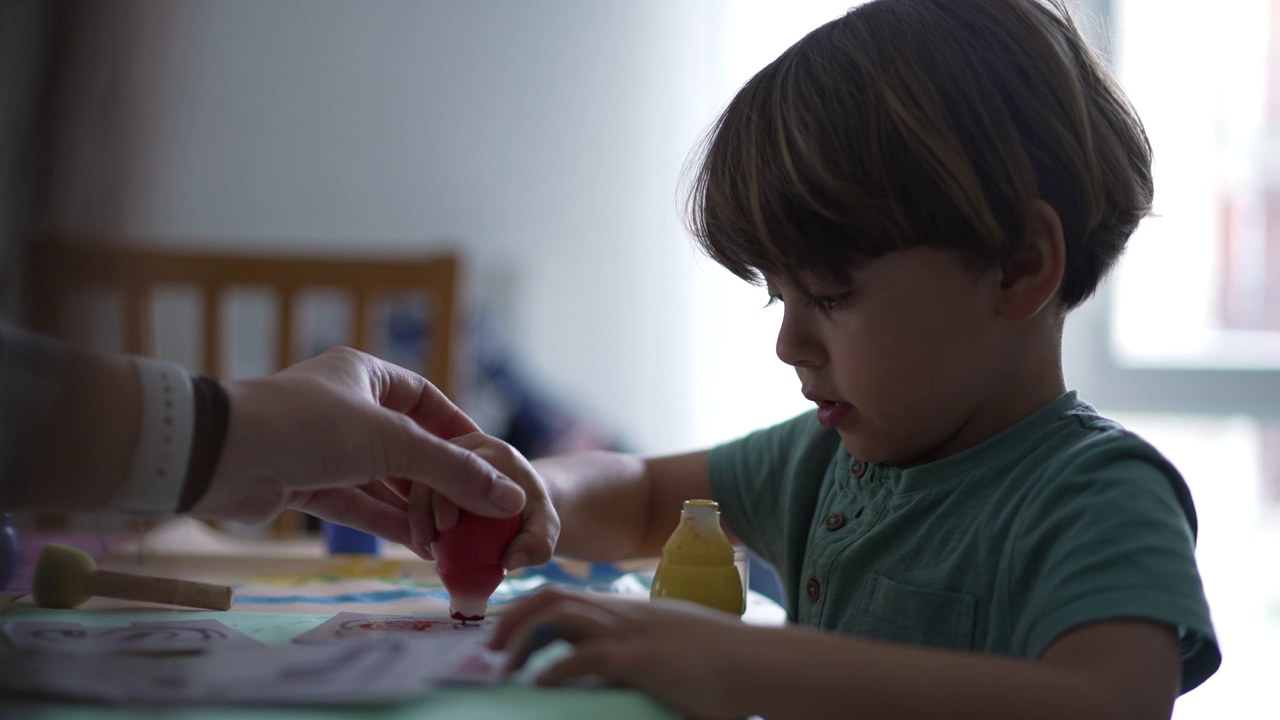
(929, 186)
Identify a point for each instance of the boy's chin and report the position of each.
(867, 451)
(856, 446)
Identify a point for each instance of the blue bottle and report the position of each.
(342, 540)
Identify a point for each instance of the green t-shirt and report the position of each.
(1061, 520)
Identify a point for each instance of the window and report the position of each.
(1183, 344)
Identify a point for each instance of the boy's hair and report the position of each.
(924, 122)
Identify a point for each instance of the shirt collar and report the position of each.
(1022, 434)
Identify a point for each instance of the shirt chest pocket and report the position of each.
(901, 613)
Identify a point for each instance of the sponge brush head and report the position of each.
(63, 577)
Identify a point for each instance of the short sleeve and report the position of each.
(1113, 536)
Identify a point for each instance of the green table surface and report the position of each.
(514, 699)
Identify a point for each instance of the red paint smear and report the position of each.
(407, 625)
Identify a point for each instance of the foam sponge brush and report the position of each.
(66, 576)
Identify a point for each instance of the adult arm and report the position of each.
(84, 442)
(322, 436)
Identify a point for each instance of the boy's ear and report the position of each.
(1031, 276)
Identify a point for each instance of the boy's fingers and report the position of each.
(400, 486)
(538, 637)
(556, 623)
(446, 513)
(380, 491)
(574, 616)
(514, 618)
(536, 542)
(573, 621)
(595, 657)
(422, 527)
(458, 474)
(528, 549)
(471, 441)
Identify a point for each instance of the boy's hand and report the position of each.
(676, 651)
(431, 512)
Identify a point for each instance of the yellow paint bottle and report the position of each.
(697, 561)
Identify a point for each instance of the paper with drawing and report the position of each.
(353, 658)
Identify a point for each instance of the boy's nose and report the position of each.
(796, 346)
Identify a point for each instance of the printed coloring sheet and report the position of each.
(348, 625)
(350, 659)
(460, 647)
(175, 637)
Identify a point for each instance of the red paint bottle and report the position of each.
(469, 561)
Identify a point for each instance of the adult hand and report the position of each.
(326, 435)
(679, 652)
(431, 511)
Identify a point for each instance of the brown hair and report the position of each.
(924, 122)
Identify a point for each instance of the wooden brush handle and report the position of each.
(186, 593)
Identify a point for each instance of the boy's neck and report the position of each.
(1031, 379)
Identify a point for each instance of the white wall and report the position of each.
(545, 140)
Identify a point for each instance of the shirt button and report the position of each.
(813, 589)
(858, 468)
(834, 521)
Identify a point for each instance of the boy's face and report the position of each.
(906, 358)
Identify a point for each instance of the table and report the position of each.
(262, 572)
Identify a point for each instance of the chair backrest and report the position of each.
(400, 309)
(120, 298)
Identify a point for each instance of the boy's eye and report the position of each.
(775, 295)
(827, 303)
(821, 303)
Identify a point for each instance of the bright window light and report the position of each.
(1200, 283)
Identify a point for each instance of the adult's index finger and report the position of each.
(408, 393)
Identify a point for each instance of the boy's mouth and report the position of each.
(831, 414)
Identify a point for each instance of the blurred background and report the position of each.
(542, 146)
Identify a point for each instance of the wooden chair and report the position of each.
(120, 298)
